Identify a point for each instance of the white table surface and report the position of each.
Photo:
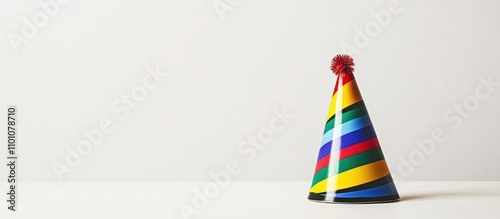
(247, 200)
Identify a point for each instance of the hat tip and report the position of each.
(342, 64)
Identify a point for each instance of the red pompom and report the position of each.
(342, 64)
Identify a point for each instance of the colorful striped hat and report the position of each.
(351, 166)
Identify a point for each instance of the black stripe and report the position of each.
(371, 199)
(321, 198)
(378, 182)
(317, 196)
(349, 108)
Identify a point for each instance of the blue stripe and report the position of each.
(327, 136)
(325, 150)
(356, 124)
(347, 127)
(357, 136)
(380, 191)
(347, 140)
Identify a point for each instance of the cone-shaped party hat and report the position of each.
(351, 166)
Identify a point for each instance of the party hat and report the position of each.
(351, 166)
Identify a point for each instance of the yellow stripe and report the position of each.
(350, 95)
(353, 177)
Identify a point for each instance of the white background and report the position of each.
(227, 72)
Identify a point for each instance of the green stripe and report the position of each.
(351, 162)
(360, 159)
(346, 117)
(320, 175)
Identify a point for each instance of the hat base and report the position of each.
(360, 200)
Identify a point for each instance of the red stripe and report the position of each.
(322, 163)
(345, 78)
(359, 148)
